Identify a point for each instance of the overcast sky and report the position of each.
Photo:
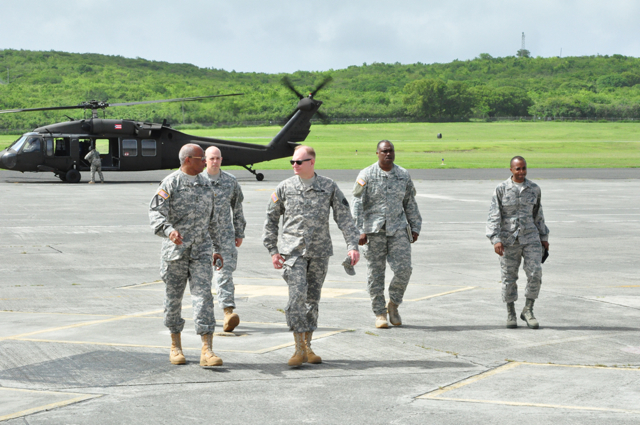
(285, 36)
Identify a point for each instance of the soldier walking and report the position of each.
(227, 200)
(516, 229)
(387, 217)
(303, 255)
(96, 165)
(182, 214)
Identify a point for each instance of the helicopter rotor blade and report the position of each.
(49, 108)
(322, 84)
(323, 117)
(94, 104)
(287, 84)
(181, 99)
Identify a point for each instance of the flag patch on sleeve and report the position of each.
(274, 197)
(361, 182)
(164, 195)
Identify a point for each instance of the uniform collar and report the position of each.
(390, 172)
(526, 183)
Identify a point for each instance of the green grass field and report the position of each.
(463, 145)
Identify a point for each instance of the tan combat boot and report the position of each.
(92, 182)
(394, 316)
(175, 355)
(231, 320)
(300, 355)
(311, 356)
(208, 357)
(527, 315)
(381, 321)
(512, 323)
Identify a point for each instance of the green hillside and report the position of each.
(596, 87)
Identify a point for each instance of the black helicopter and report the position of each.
(138, 146)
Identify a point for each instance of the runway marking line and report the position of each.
(79, 397)
(436, 395)
(468, 288)
(25, 336)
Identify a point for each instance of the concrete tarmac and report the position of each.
(82, 339)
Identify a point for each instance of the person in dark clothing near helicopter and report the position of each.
(96, 165)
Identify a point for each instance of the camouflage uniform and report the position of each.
(96, 164)
(385, 209)
(187, 207)
(516, 220)
(305, 243)
(227, 197)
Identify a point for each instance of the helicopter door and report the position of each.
(32, 151)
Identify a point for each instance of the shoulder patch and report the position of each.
(163, 194)
(274, 197)
(361, 182)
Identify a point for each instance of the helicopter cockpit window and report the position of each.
(18, 143)
(49, 143)
(148, 148)
(32, 145)
(130, 147)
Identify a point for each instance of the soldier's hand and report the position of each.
(545, 244)
(355, 256)
(362, 240)
(175, 237)
(499, 248)
(277, 261)
(216, 258)
(238, 242)
(415, 236)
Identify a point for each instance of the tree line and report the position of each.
(485, 87)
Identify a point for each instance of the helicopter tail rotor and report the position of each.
(307, 103)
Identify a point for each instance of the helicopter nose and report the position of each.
(8, 159)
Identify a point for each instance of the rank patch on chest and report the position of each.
(274, 197)
(361, 182)
(163, 194)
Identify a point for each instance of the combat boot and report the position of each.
(381, 321)
(300, 355)
(231, 320)
(92, 182)
(175, 355)
(394, 316)
(511, 316)
(208, 357)
(527, 315)
(311, 356)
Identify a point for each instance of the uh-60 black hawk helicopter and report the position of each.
(138, 146)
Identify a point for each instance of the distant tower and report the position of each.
(523, 53)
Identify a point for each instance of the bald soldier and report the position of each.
(303, 201)
(181, 213)
(517, 230)
(227, 204)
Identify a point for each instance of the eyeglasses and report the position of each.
(201, 158)
(299, 161)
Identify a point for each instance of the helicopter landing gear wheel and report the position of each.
(259, 176)
(72, 176)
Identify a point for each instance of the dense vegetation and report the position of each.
(596, 87)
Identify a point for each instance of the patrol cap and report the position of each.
(348, 267)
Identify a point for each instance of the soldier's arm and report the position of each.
(239, 223)
(538, 218)
(275, 209)
(411, 208)
(357, 209)
(343, 219)
(214, 230)
(159, 211)
(494, 219)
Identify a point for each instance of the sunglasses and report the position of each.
(299, 161)
(201, 158)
